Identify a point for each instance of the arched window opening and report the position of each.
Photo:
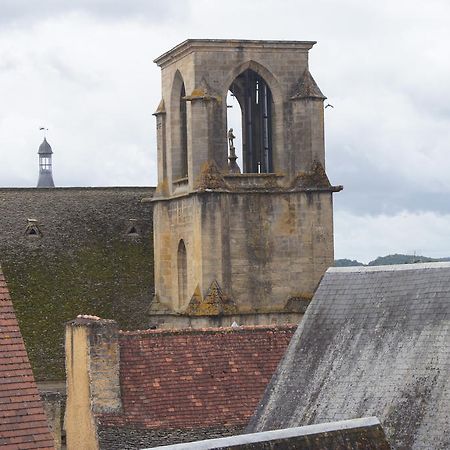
(182, 273)
(178, 127)
(183, 135)
(255, 99)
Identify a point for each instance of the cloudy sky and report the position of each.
(83, 68)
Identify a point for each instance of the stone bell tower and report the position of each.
(248, 247)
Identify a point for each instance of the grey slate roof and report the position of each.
(374, 341)
(45, 148)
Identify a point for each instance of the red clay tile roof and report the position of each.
(175, 379)
(23, 424)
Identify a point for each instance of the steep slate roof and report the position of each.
(374, 341)
(196, 378)
(45, 148)
(83, 248)
(23, 424)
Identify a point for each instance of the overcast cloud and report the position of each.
(18, 11)
(84, 69)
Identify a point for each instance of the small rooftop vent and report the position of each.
(133, 228)
(32, 229)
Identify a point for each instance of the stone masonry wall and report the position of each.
(264, 249)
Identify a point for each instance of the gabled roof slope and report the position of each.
(196, 378)
(374, 341)
(23, 424)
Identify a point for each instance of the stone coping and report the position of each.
(191, 45)
(265, 436)
(209, 330)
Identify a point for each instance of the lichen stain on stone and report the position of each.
(162, 187)
(299, 302)
(285, 224)
(215, 303)
(210, 177)
(315, 178)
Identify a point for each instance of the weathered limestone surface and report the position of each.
(374, 341)
(263, 249)
(248, 246)
(208, 68)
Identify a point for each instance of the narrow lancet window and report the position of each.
(182, 274)
(183, 132)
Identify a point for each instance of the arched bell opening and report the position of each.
(45, 163)
(234, 126)
(253, 95)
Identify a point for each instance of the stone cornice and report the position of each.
(251, 191)
(199, 45)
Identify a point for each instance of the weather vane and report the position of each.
(44, 130)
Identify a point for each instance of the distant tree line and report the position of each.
(389, 260)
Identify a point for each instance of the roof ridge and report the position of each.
(210, 330)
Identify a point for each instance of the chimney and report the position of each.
(92, 377)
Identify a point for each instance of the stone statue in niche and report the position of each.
(231, 138)
(232, 165)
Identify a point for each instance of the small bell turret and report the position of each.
(45, 165)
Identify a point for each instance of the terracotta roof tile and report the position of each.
(23, 424)
(196, 378)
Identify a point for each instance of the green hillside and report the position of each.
(389, 260)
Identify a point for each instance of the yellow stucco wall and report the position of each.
(80, 425)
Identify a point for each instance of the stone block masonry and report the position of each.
(249, 247)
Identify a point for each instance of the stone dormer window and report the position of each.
(133, 229)
(32, 229)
